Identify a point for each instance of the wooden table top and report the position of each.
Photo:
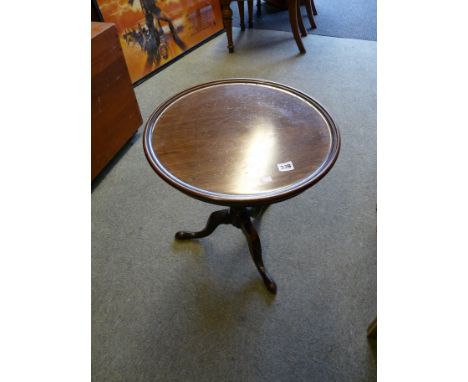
(241, 142)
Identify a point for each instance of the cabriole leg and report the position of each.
(215, 219)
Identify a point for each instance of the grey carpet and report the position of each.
(337, 18)
(198, 311)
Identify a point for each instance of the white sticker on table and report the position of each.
(286, 166)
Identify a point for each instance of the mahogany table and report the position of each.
(244, 144)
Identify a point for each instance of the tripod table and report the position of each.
(244, 144)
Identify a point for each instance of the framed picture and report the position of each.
(154, 32)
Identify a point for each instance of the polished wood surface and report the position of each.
(241, 142)
(115, 115)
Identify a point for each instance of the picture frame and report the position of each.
(156, 33)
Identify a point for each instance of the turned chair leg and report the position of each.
(240, 4)
(227, 21)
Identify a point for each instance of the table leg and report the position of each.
(227, 20)
(255, 247)
(239, 217)
(215, 219)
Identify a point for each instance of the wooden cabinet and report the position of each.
(115, 116)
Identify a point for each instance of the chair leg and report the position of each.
(292, 8)
(259, 7)
(227, 21)
(313, 8)
(310, 13)
(250, 9)
(240, 4)
(301, 21)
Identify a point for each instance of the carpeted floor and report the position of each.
(198, 311)
(337, 18)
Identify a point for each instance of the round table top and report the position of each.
(241, 142)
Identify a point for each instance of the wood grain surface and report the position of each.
(241, 142)
(115, 115)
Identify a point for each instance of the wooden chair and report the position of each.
(309, 5)
(295, 18)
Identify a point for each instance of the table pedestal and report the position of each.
(240, 217)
